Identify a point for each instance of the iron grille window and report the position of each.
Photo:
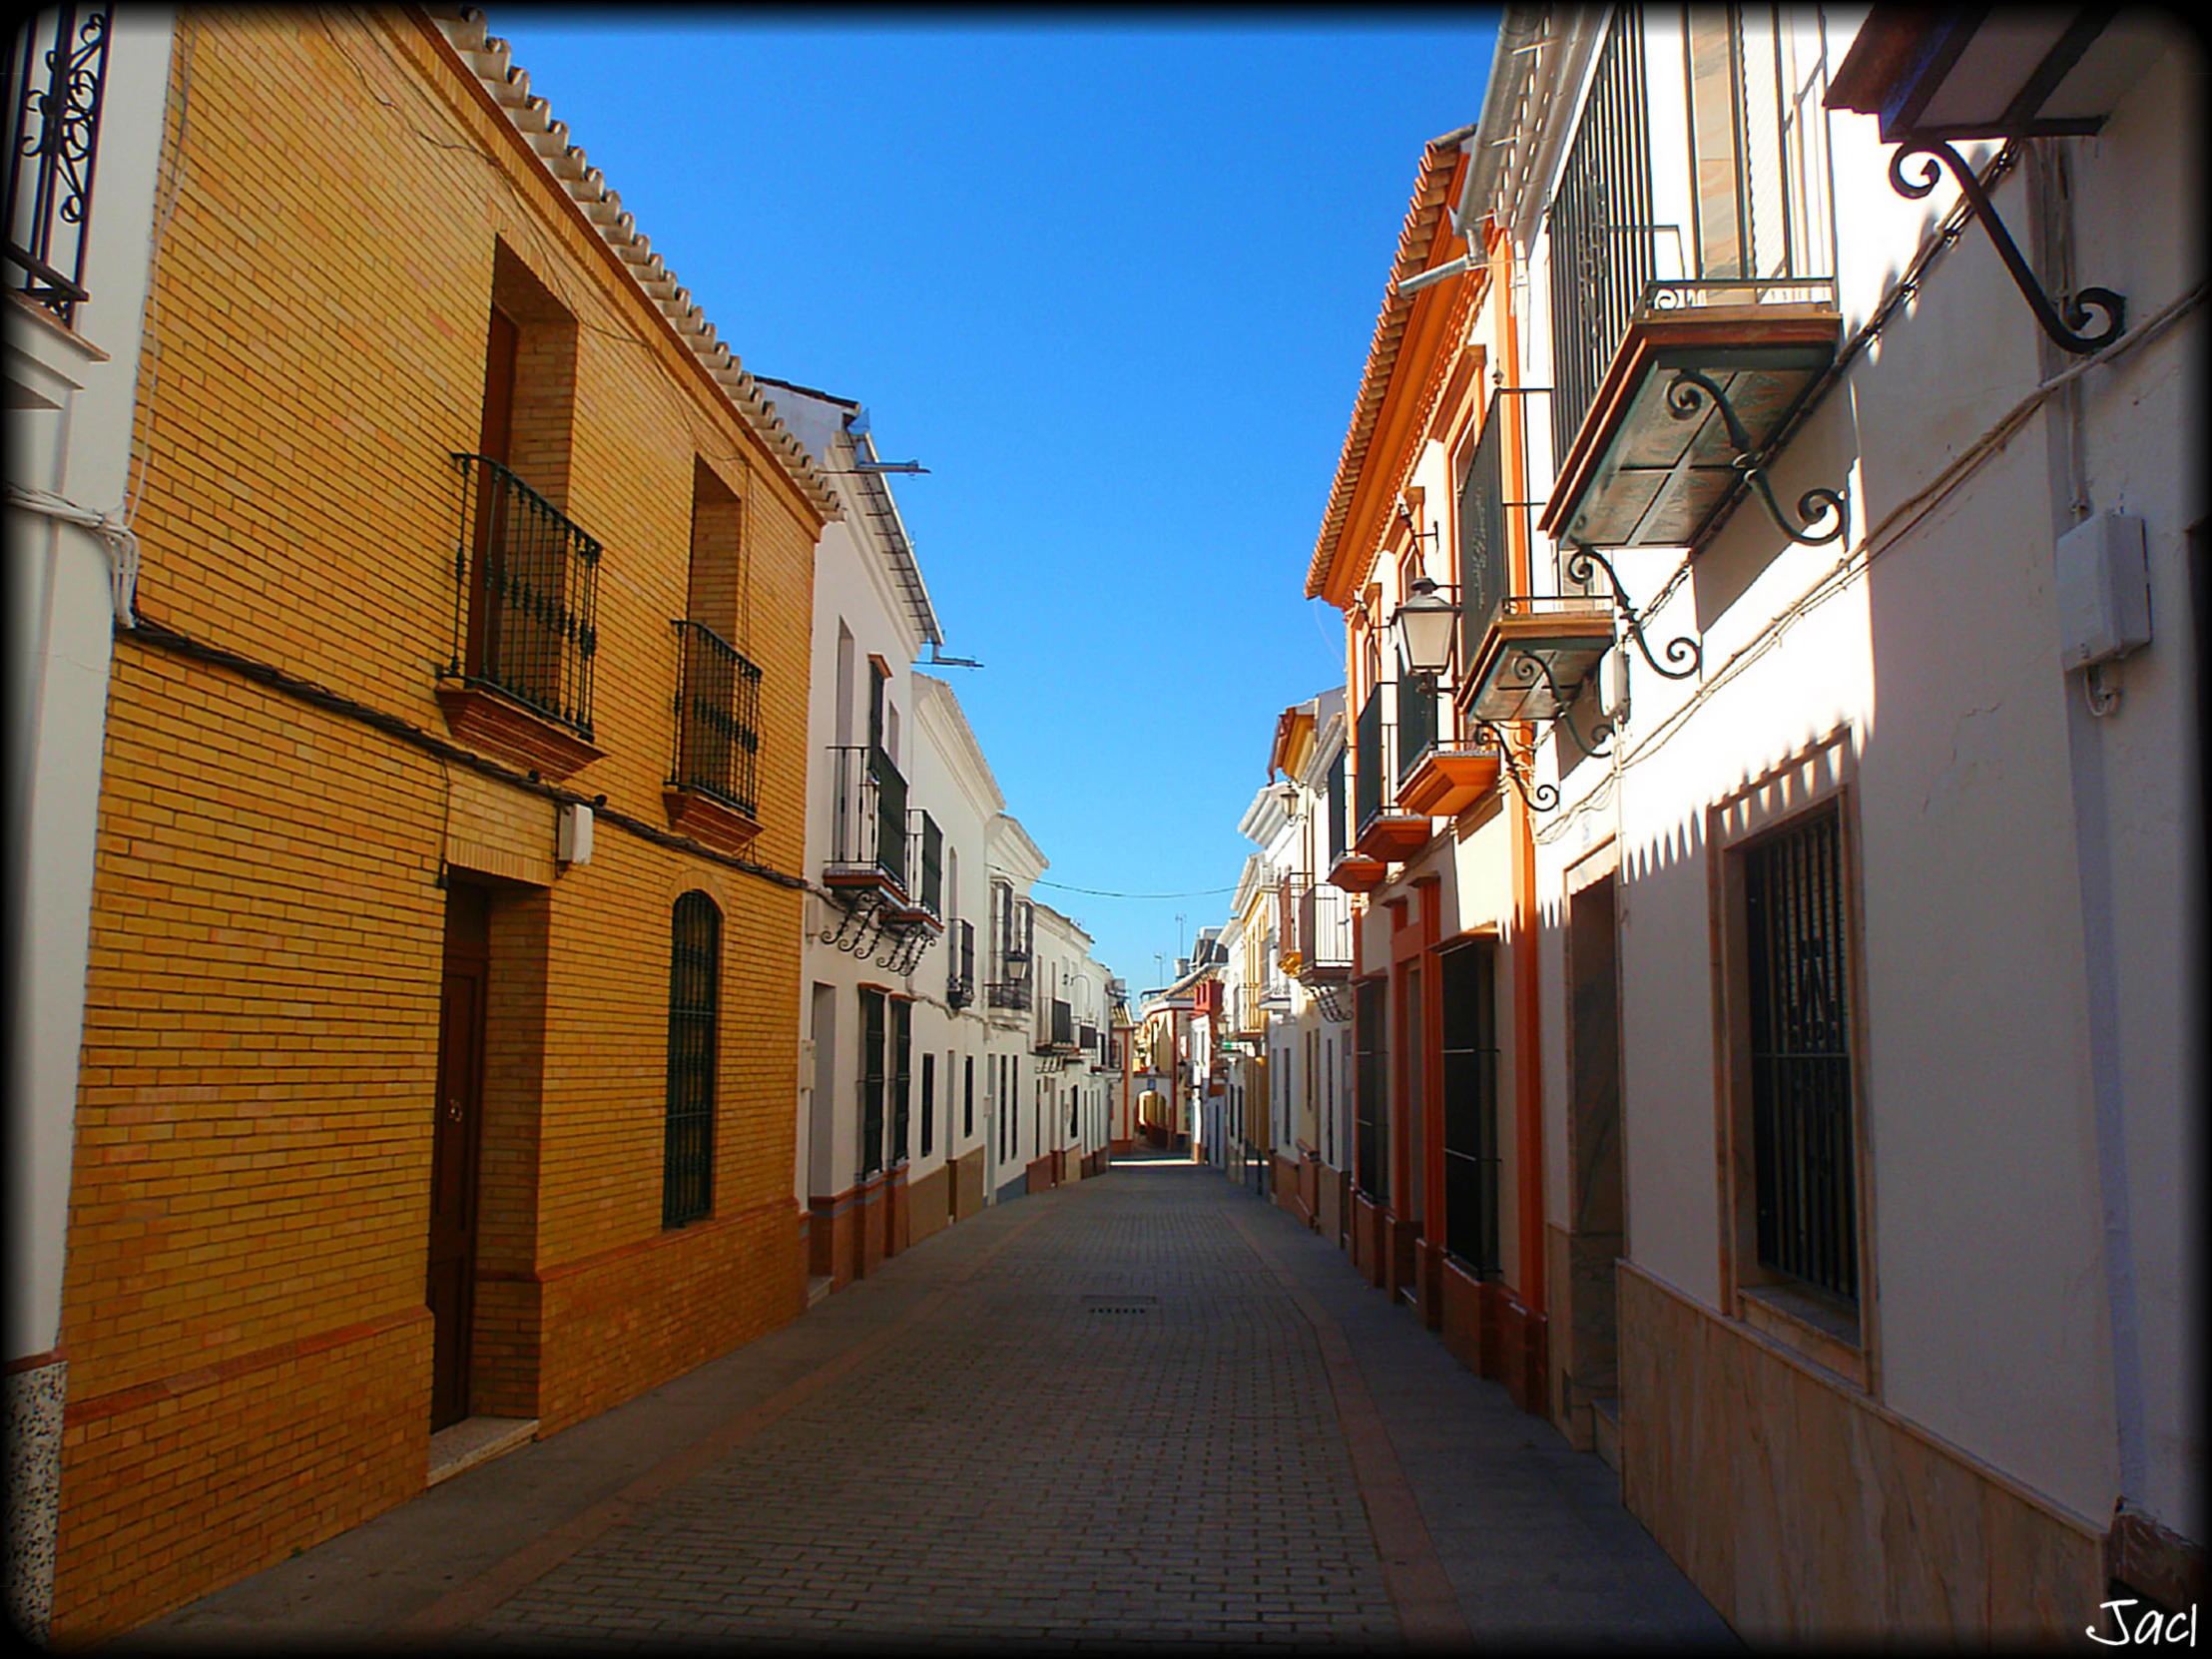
(1481, 538)
(531, 578)
(901, 1064)
(928, 1103)
(694, 998)
(1601, 232)
(871, 1081)
(1370, 1076)
(718, 718)
(960, 989)
(57, 66)
(1801, 1055)
(1471, 1108)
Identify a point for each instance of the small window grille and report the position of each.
(1801, 1055)
(694, 995)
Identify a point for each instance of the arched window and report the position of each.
(694, 1002)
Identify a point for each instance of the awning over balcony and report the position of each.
(1975, 72)
(1655, 460)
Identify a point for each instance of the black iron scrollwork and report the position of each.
(860, 923)
(1686, 397)
(1543, 797)
(1685, 656)
(52, 133)
(2064, 330)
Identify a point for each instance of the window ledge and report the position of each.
(480, 715)
(708, 820)
(1807, 1325)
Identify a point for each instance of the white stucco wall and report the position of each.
(60, 634)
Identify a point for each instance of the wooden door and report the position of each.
(451, 1278)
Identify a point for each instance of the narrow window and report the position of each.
(902, 1063)
(1471, 1107)
(1800, 1051)
(928, 1103)
(872, 1080)
(694, 993)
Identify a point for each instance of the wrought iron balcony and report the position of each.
(1056, 1029)
(718, 716)
(1705, 378)
(526, 582)
(959, 978)
(1010, 993)
(57, 66)
(867, 821)
(925, 854)
(1324, 934)
(1384, 831)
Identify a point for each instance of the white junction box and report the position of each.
(2103, 589)
(573, 842)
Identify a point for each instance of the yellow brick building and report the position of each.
(331, 909)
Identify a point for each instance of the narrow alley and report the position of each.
(1144, 1408)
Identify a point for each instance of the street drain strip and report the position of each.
(1119, 1304)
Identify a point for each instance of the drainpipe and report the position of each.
(2066, 439)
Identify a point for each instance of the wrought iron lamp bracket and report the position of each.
(1681, 650)
(1686, 394)
(1543, 797)
(2064, 331)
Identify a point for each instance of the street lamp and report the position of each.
(1423, 625)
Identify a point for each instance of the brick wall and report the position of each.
(244, 1303)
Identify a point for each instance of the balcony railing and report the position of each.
(57, 66)
(959, 972)
(718, 719)
(925, 854)
(1056, 1031)
(531, 579)
(1417, 721)
(1011, 993)
(1324, 934)
(867, 817)
(1385, 830)
(1602, 236)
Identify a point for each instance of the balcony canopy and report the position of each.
(1975, 72)
(1654, 463)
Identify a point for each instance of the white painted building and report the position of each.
(875, 850)
(78, 343)
(1868, 940)
(1009, 1001)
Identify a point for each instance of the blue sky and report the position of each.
(1112, 280)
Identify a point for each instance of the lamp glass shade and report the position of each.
(1425, 624)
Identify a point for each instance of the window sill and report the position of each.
(708, 821)
(1807, 1325)
(481, 717)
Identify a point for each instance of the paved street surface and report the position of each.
(1148, 1409)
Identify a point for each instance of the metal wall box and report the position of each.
(2102, 578)
(1654, 463)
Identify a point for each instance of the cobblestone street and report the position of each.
(1068, 1420)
